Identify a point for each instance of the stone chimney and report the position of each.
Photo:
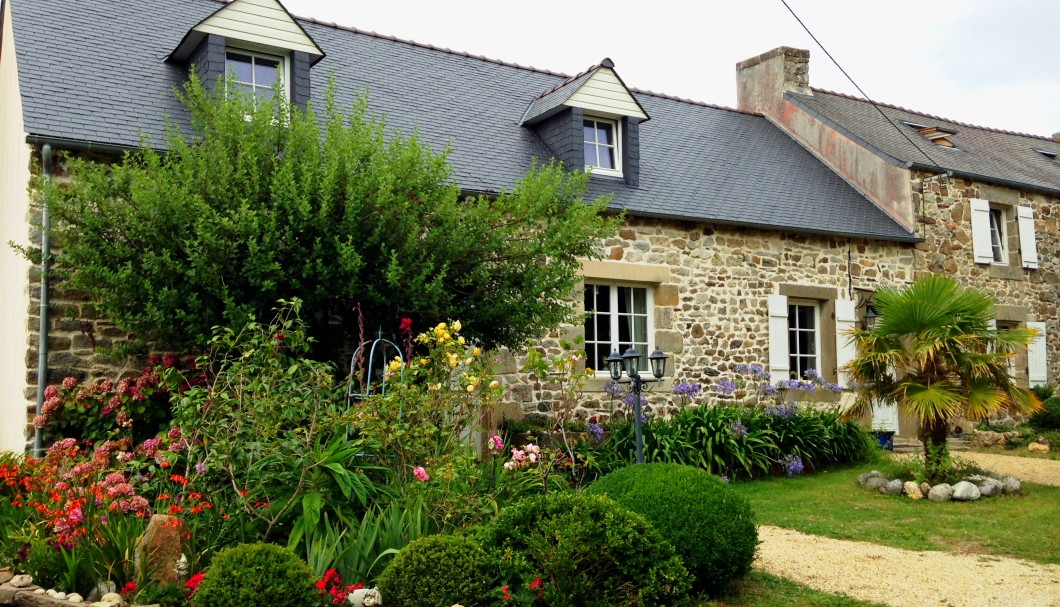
(1056, 136)
(762, 81)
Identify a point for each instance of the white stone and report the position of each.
(39, 591)
(912, 490)
(52, 592)
(21, 581)
(60, 595)
(112, 597)
(73, 597)
(940, 493)
(965, 492)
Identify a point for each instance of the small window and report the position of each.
(255, 73)
(617, 318)
(601, 145)
(936, 135)
(804, 338)
(998, 239)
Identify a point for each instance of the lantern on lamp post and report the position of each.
(629, 363)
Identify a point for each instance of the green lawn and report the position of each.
(830, 503)
(764, 590)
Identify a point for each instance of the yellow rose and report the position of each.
(494, 384)
(471, 387)
(457, 326)
(395, 364)
(460, 340)
(476, 352)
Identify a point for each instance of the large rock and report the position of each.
(865, 476)
(912, 490)
(1038, 448)
(874, 482)
(891, 487)
(160, 548)
(924, 488)
(940, 493)
(965, 492)
(21, 581)
(1010, 485)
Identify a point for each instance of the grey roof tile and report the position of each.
(985, 153)
(698, 162)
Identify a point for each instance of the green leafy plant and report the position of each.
(440, 570)
(711, 528)
(270, 425)
(331, 205)
(257, 575)
(584, 551)
(1049, 416)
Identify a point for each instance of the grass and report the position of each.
(763, 590)
(832, 504)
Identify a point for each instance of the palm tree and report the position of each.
(935, 352)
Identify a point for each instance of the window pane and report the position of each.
(590, 132)
(607, 158)
(603, 298)
(625, 329)
(640, 301)
(640, 329)
(265, 71)
(806, 317)
(242, 65)
(625, 298)
(600, 354)
(603, 328)
(604, 133)
(590, 155)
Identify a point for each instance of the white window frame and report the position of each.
(283, 71)
(616, 127)
(998, 235)
(591, 315)
(793, 343)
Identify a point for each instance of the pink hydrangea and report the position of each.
(421, 474)
(69, 383)
(51, 392)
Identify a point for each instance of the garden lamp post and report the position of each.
(629, 362)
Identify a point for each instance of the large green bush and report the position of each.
(712, 528)
(581, 550)
(1048, 418)
(257, 575)
(440, 570)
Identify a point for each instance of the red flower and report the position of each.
(129, 587)
(534, 585)
(507, 595)
(406, 325)
(280, 336)
(193, 584)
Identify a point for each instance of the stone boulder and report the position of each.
(891, 487)
(965, 492)
(160, 549)
(1037, 447)
(1010, 485)
(940, 493)
(912, 490)
(865, 476)
(875, 482)
(924, 488)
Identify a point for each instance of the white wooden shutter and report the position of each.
(981, 248)
(1037, 359)
(845, 319)
(779, 362)
(1028, 245)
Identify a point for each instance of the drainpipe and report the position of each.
(42, 332)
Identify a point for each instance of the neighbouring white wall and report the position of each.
(14, 269)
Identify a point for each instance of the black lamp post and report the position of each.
(629, 362)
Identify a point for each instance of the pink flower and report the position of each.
(51, 392)
(421, 474)
(496, 443)
(406, 325)
(69, 383)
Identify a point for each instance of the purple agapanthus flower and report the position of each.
(596, 433)
(687, 389)
(786, 410)
(738, 428)
(792, 464)
(614, 389)
(725, 387)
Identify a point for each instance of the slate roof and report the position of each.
(95, 72)
(989, 154)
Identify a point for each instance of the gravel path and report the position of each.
(1029, 469)
(907, 578)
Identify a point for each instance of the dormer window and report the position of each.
(601, 145)
(936, 135)
(254, 72)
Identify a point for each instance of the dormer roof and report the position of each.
(598, 89)
(265, 23)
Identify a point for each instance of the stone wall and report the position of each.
(711, 311)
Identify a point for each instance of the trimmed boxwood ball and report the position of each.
(587, 550)
(257, 575)
(712, 528)
(439, 570)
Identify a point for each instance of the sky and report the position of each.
(992, 63)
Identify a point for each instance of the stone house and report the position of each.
(983, 201)
(753, 235)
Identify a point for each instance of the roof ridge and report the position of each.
(569, 80)
(695, 102)
(926, 115)
(431, 47)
